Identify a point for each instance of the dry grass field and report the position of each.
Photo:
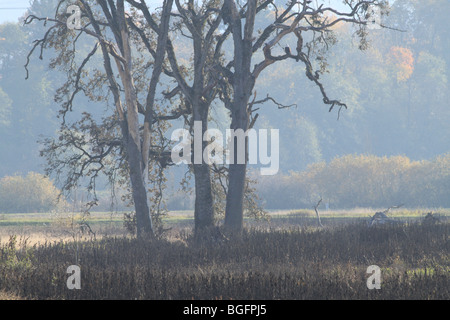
(287, 257)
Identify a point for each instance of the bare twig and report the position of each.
(317, 212)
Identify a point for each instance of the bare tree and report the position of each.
(300, 19)
(109, 27)
(199, 26)
(198, 23)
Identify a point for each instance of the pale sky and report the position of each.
(11, 10)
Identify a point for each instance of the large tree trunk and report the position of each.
(204, 211)
(234, 210)
(144, 225)
(234, 218)
(243, 83)
(134, 150)
(203, 214)
(136, 161)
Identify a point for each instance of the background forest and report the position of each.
(389, 147)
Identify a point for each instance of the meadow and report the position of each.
(286, 257)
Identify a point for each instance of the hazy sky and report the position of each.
(11, 10)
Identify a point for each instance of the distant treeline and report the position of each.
(362, 181)
(345, 182)
(24, 194)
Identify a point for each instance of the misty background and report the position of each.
(390, 146)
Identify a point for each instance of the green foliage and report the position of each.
(14, 258)
(31, 193)
(5, 109)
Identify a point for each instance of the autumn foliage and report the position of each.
(362, 181)
(402, 61)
